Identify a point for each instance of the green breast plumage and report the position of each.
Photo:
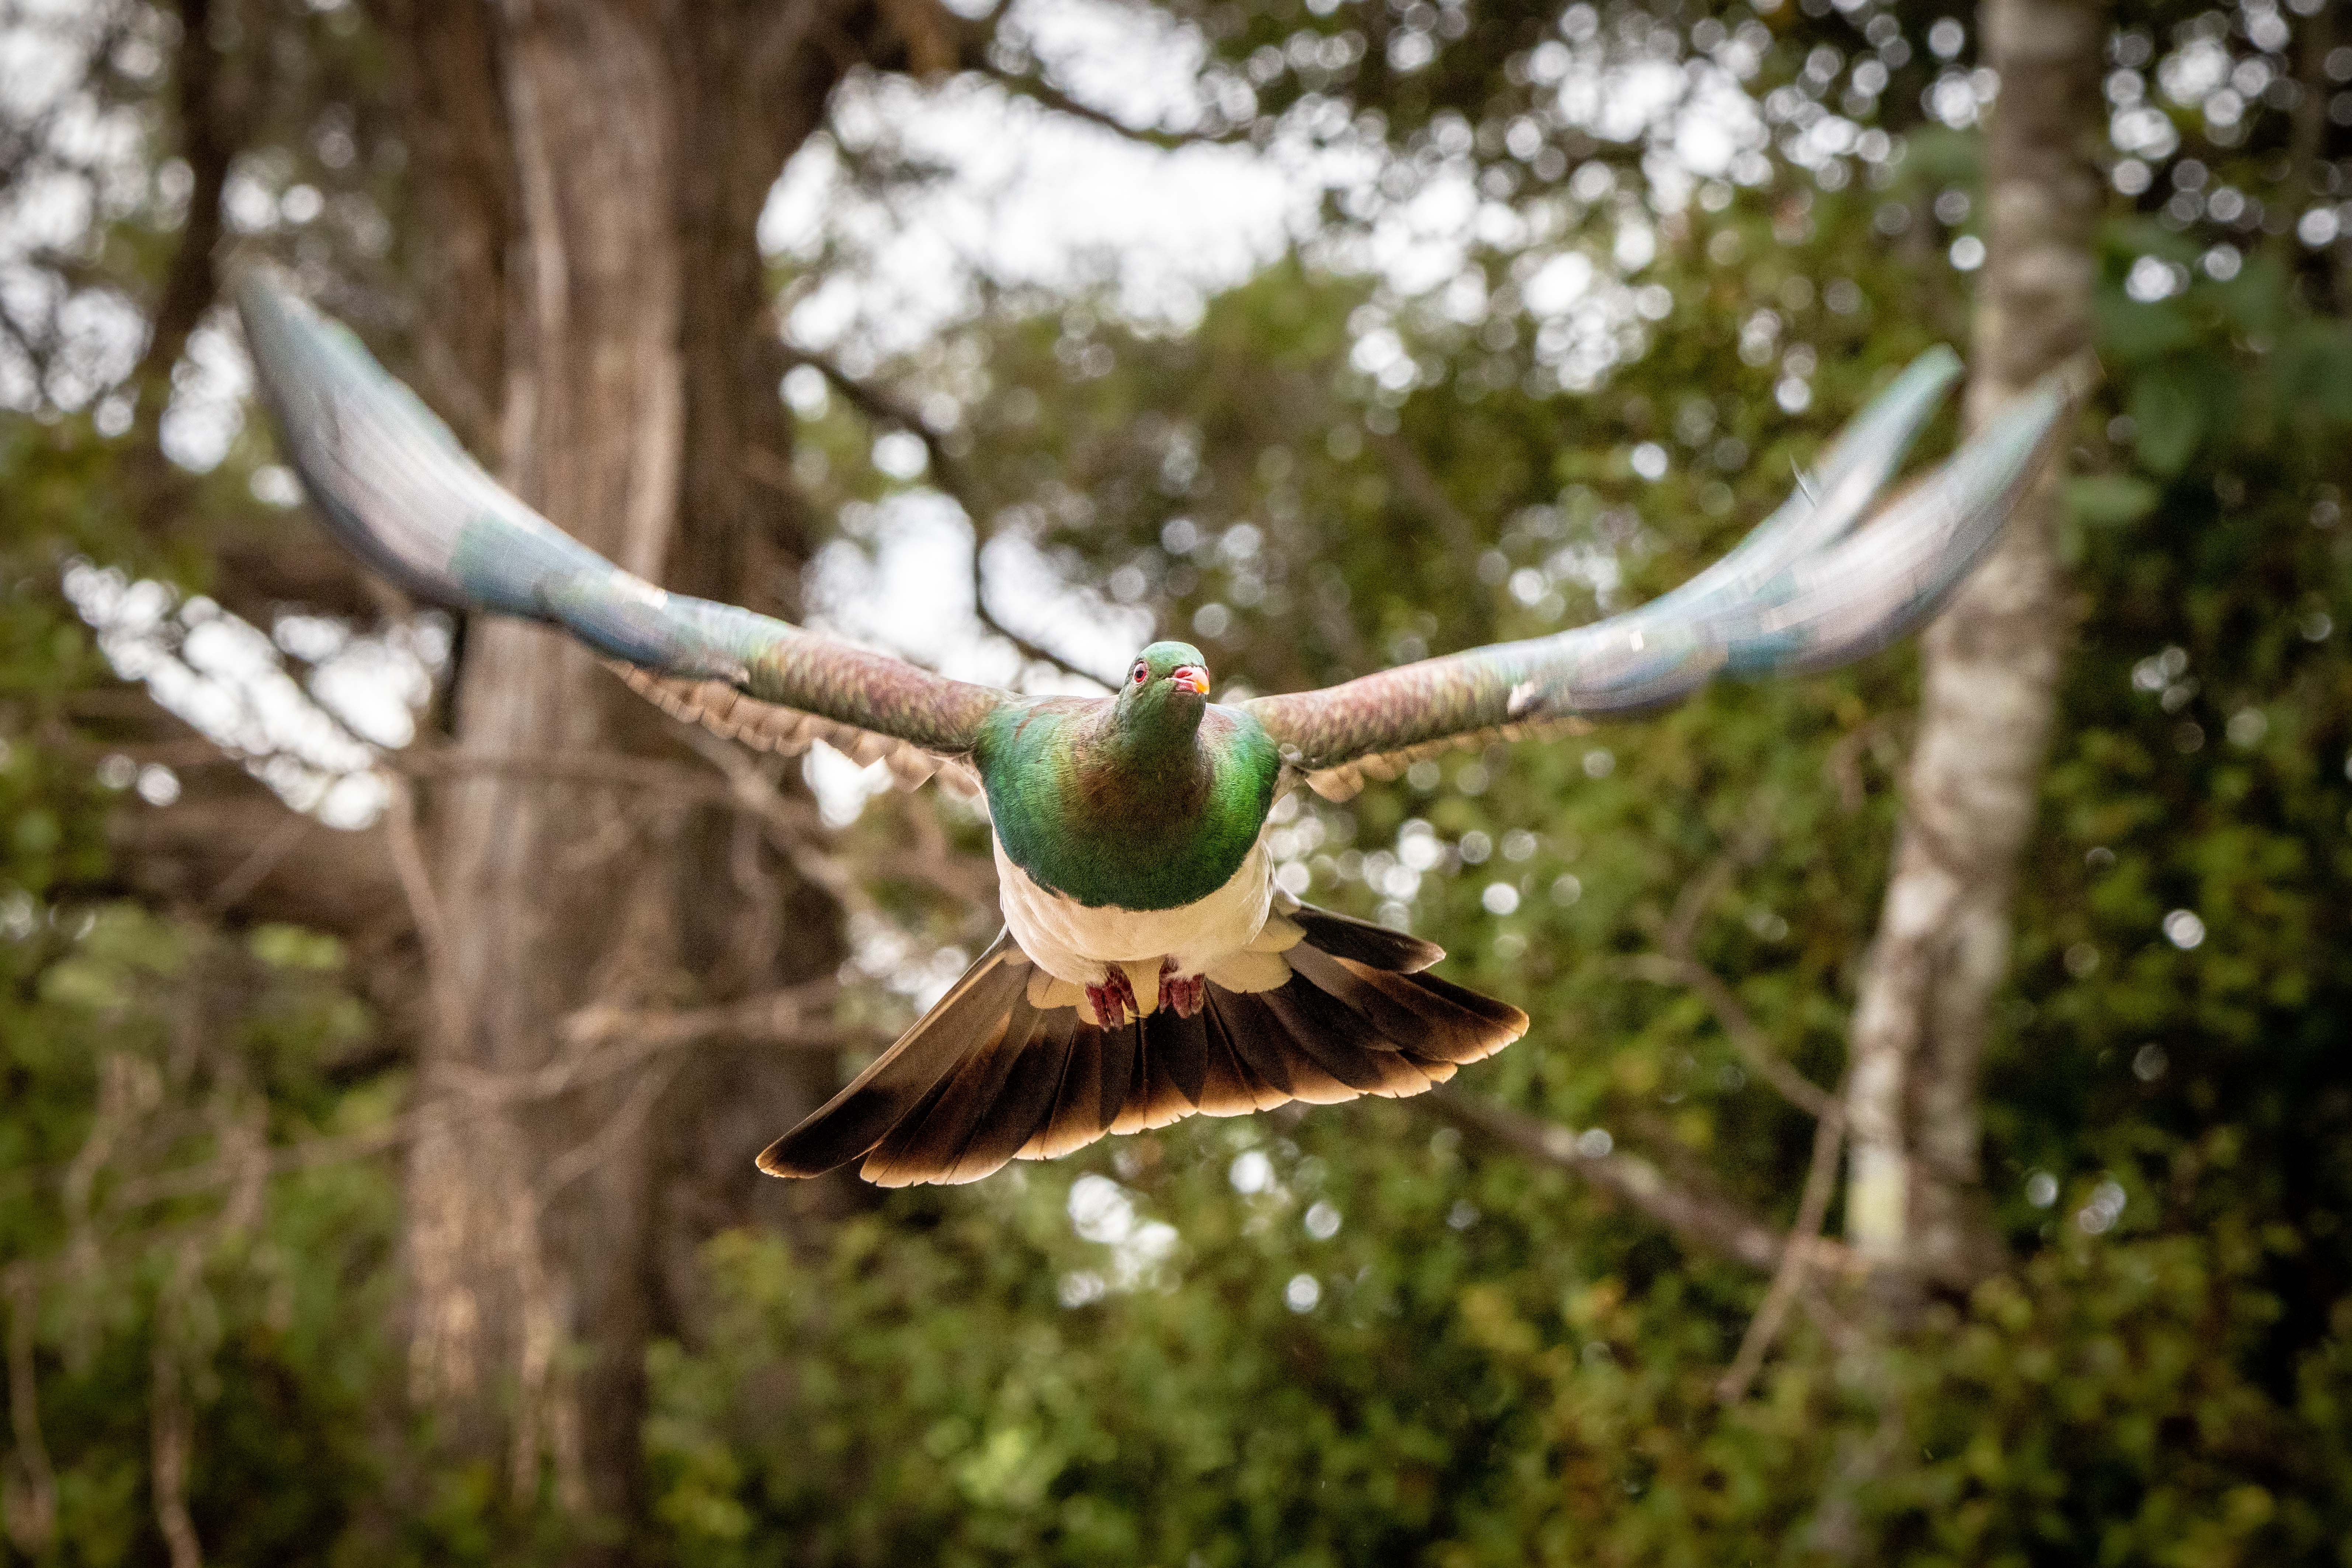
(1150, 831)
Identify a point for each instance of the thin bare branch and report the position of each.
(1705, 1220)
(791, 1019)
(256, 866)
(304, 1154)
(1738, 1027)
(423, 907)
(948, 474)
(1033, 86)
(171, 1427)
(788, 828)
(924, 854)
(1842, 769)
(28, 1490)
(1423, 489)
(677, 779)
(1029, 649)
(792, 827)
(1796, 1260)
(583, 1157)
(1677, 962)
(209, 135)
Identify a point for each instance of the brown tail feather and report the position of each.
(854, 1120)
(958, 1132)
(1345, 936)
(1426, 1017)
(985, 1077)
(1231, 1088)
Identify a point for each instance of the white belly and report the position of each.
(1074, 942)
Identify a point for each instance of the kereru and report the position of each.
(1149, 967)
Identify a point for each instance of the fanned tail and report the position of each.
(986, 1077)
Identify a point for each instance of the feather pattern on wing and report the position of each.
(1803, 591)
(398, 490)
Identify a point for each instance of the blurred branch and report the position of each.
(786, 821)
(1796, 1259)
(264, 842)
(789, 1017)
(302, 1155)
(1708, 1220)
(170, 1425)
(2308, 120)
(209, 136)
(742, 787)
(772, 1017)
(679, 781)
(423, 907)
(1738, 1027)
(1033, 86)
(1422, 487)
(1842, 768)
(582, 1158)
(28, 1490)
(1403, 463)
(1678, 964)
(786, 1018)
(240, 850)
(948, 474)
(925, 853)
(265, 858)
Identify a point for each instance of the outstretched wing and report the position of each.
(400, 493)
(1802, 592)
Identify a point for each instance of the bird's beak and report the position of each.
(1190, 677)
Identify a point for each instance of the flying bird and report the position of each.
(1148, 968)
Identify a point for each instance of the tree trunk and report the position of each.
(1990, 678)
(591, 174)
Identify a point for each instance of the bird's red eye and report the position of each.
(1140, 671)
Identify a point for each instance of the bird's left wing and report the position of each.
(400, 492)
(1802, 592)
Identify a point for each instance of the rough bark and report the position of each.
(595, 172)
(548, 895)
(1990, 675)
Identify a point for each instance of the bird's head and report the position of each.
(1166, 689)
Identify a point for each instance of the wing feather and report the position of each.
(400, 492)
(1804, 591)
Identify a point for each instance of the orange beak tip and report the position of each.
(1193, 679)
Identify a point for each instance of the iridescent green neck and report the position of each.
(1151, 731)
(1129, 805)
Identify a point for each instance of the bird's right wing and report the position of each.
(399, 490)
(1803, 592)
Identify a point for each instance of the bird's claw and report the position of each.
(1114, 1000)
(1187, 994)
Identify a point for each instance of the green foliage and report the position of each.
(135, 1044)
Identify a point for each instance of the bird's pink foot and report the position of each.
(1113, 999)
(1186, 993)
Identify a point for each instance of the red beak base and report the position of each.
(1190, 677)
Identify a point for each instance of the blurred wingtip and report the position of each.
(1939, 364)
(264, 292)
(2077, 376)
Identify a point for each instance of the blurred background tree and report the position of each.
(394, 1007)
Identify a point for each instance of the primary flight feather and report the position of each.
(1148, 968)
